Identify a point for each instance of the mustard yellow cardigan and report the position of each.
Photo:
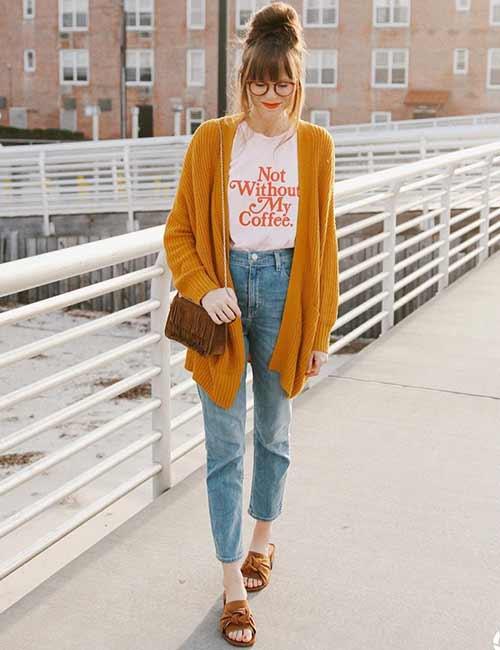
(194, 252)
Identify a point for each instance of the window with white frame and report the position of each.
(73, 15)
(245, 9)
(74, 67)
(29, 61)
(381, 117)
(195, 67)
(194, 117)
(18, 117)
(462, 5)
(460, 60)
(493, 78)
(320, 117)
(29, 9)
(321, 68)
(67, 119)
(321, 13)
(139, 67)
(195, 14)
(391, 13)
(389, 67)
(139, 14)
(495, 12)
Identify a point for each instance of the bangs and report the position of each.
(268, 63)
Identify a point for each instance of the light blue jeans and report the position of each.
(260, 283)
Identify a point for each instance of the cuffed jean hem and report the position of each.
(236, 559)
(252, 514)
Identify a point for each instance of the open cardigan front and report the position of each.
(193, 241)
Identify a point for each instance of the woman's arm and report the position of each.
(329, 269)
(188, 272)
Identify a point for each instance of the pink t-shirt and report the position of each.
(263, 190)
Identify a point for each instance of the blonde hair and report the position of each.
(273, 40)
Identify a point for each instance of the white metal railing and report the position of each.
(401, 125)
(126, 176)
(456, 223)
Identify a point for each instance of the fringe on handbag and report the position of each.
(190, 323)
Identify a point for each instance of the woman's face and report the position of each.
(273, 99)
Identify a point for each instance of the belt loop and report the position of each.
(278, 260)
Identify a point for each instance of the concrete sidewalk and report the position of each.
(390, 534)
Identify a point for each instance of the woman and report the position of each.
(282, 287)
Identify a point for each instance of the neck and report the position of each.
(270, 126)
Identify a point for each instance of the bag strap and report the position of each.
(223, 203)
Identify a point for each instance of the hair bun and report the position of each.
(278, 21)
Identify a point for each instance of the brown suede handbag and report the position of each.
(188, 322)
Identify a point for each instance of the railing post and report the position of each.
(444, 251)
(484, 226)
(128, 185)
(389, 262)
(47, 230)
(160, 384)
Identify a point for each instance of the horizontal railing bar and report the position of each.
(56, 457)
(407, 261)
(362, 286)
(467, 228)
(417, 291)
(402, 227)
(465, 258)
(353, 334)
(29, 350)
(78, 295)
(361, 266)
(72, 524)
(34, 509)
(54, 419)
(30, 272)
(465, 244)
(359, 309)
(417, 273)
(411, 241)
(47, 383)
(354, 206)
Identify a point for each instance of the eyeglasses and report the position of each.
(281, 88)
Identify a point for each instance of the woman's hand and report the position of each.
(221, 305)
(316, 360)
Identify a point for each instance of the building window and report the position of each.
(245, 9)
(29, 9)
(460, 60)
(391, 13)
(18, 117)
(73, 15)
(29, 61)
(195, 68)
(495, 12)
(140, 14)
(462, 5)
(67, 119)
(321, 117)
(139, 68)
(74, 66)
(390, 68)
(194, 117)
(321, 13)
(381, 117)
(196, 14)
(493, 80)
(321, 68)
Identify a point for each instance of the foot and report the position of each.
(235, 590)
(256, 582)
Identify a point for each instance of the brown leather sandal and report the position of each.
(258, 565)
(237, 616)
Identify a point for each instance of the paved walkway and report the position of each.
(390, 535)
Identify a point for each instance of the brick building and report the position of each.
(369, 60)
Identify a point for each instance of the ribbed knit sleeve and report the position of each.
(329, 271)
(189, 275)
